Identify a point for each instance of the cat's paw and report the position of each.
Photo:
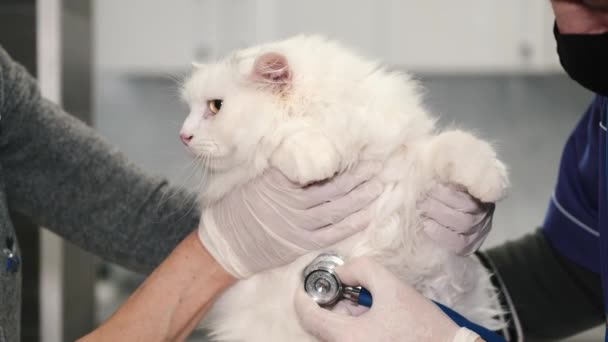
(306, 157)
(460, 158)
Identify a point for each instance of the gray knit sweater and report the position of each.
(63, 176)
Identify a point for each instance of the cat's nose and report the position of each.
(186, 138)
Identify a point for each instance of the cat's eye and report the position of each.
(214, 105)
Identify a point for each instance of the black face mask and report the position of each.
(585, 59)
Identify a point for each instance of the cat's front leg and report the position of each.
(306, 157)
(459, 158)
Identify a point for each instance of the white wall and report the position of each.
(146, 34)
(439, 36)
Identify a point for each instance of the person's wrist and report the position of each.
(211, 239)
(219, 272)
(182, 287)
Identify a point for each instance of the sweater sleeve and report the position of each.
(549, 297)
(58, 172)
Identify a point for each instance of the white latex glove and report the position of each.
(455, 220)
(271, 221)
(399, 313)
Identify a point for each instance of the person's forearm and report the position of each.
(552, 297)
(63, 176)
(170, 303)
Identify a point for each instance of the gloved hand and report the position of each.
(270, 221)
(455, 220)
(399, 312)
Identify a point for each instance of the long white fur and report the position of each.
(338, 109)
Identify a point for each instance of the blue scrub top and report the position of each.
(576, 224)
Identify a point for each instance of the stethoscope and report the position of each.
(324, 286)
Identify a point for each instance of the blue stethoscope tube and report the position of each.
(365, 298)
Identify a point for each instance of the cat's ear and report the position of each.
(272, 71)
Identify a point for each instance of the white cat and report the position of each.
(311, 108)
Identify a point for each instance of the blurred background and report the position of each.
(487, 65)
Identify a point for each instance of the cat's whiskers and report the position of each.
(207, 146)
(205, 162)
(207, 167)
(194, 166)
(191, 168)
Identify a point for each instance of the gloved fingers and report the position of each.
(339, 186)
(453, 219)
(274, 185)
(337, 210)
(334, 233)
(448, 239)
(272, 205)
(296, 196)
(479, 238)
(348, 308)
(363, 271)
(457, 199)
(321, 323)
(341, 308)
(345, 182)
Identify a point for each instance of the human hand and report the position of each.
(399, 312)
(271, 221)
(455, 220)
(581, 16)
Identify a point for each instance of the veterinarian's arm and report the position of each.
(536, 302)
(60, 174)
(550, 297)
(171, 302)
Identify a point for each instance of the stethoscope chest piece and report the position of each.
(320, 280)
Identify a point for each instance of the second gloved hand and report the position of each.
(271, 221)
(455, 220)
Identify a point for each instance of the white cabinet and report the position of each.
(157, 36)
(432, 36)
(464, 36)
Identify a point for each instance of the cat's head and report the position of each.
(234, 104)
(239, 103)
(243, 107)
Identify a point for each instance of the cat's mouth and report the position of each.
(210, 153)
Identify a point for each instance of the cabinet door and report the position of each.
(438, 36)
